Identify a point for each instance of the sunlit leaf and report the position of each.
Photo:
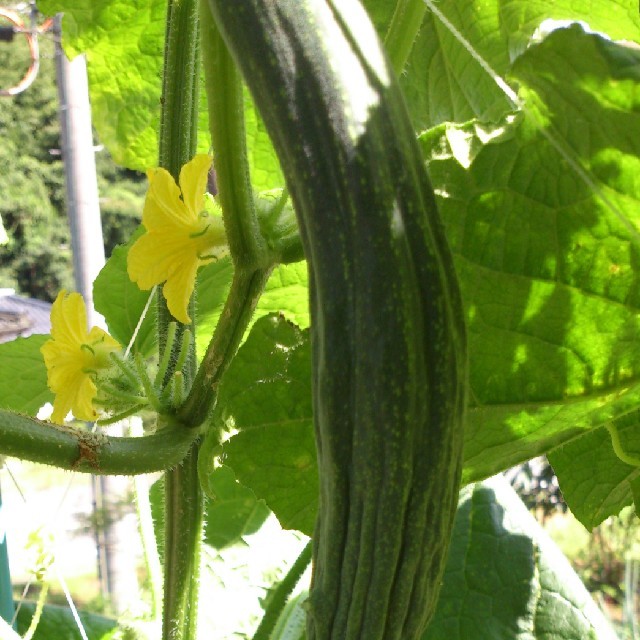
(548, 268)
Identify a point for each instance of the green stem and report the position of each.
(183, 496)
(37, 614)
(179, 115)
(226, 123)
(278, 599)
(79, 450)
(178, 134)
(246, 288)
(403, 30)
(184, 504)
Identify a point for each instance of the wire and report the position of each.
(31, 34)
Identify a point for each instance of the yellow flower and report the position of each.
(180, 235)
(73, 357)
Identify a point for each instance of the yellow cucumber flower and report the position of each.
(180, 235)
(73, 357)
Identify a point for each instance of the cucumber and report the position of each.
(388, 335)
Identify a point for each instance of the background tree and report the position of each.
(37, 259)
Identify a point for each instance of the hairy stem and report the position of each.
(79, 450)
(183, 497)
(184, 515)
(178, 136)
(246, 288)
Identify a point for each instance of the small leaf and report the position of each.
(23, 376)
(234, 513)
(443, 82)
(595, 483)
(266, 395)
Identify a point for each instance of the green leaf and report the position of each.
(123, 40)
(548, 269)
(443, 82)
(57, 623)
(505, 579)
(234, 513)
(595, 483)
(264, 165)
(287, 292)
(23, 375)
(266, 396)
(121, 302)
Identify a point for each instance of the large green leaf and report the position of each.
(233, 513)
(263, 161)
(443, 82)
(505, 579)
(266, 396)
(123, 40)
(58, 623)
(548, 269)
(23, 376)
(124, 43)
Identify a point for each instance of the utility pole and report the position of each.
(115, 552)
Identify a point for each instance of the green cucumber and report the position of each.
(388, 336)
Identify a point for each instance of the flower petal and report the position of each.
(193, 182)
(69, 318)
(163, 206)
(155, 256)
(76, 397)
(178, 290)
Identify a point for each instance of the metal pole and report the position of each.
(80, 173)
(116, 566)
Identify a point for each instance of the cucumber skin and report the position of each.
(388, 336)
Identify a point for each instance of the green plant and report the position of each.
(537, 194)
